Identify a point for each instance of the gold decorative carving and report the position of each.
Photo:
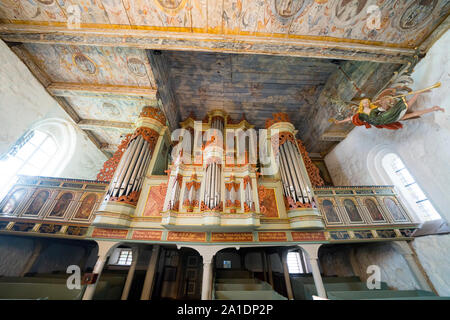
(291, 204)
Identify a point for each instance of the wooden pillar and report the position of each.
(408, 254)
(207, 278)
(287, 278)
(269, 269)
(104, 250)
(150, 275)
(312, 251)
(130, 275)
(39, 246)
(264, 263)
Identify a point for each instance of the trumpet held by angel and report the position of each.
(388, 108)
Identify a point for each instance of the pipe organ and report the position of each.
(215, 184)
(129, 176)
(294, 182)
(213, 172)
(219, 183)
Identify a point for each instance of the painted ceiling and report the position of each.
(257, 56)
(93, 65)
(98, 66)
(403, 23)
(253, 86)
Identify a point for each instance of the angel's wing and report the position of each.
(399, 84)
(342, 108)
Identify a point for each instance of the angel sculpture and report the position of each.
(389, 107)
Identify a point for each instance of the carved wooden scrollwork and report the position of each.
(153, 113)
(109, 167)
(311, 168)
(132, 198)
(277, 117)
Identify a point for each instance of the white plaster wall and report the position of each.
(434, 255)
(14, 254)
(335, 261)
(424, 146)
(24, 102)
(353, 260)
(58, 257)
(393, 267)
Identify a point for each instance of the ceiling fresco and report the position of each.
(403, 22)
(86, 78)
(93, 65)
(125, 110)
(112, 135)
(249, 57)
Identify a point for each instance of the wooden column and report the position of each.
(39, 246)
(206, 279)
(150, 275)
(104, 250)
(130, 275)
(312, 251)
(287, 278)
(269, 269)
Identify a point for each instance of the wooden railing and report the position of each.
(51, 205)
(361, 206)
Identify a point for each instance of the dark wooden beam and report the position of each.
(29, 61)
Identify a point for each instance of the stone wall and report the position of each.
(424, 146)
(24, 102)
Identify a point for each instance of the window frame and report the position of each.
(301, 264)
(24, 161)
(128, 259)
(381, 177)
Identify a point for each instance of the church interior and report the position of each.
(224, 150)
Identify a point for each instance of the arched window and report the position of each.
(408, 187)
(296, 262)
(45, 150)
(125, 257)
(32, 155)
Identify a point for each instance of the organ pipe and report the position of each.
(296, 171)
(130, 172)
(213, 182)
(297, 161)
(292, 176)
(132, 165)
(137, 167)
